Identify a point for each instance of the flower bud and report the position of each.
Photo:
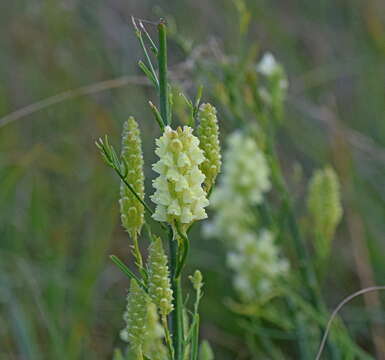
(196, 280)
(208, 134)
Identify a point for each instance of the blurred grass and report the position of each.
(60, 297)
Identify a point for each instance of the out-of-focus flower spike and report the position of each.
(325, 208)
(153, 346)
(135, 318)
(208, 133)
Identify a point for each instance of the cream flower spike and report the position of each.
(179, 195)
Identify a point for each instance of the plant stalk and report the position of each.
(162, 63)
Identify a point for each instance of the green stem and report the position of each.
(168, 337)
(119, 263)
(177, 314)
(162, 63)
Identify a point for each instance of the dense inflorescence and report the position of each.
(159, 287)
(179, 195)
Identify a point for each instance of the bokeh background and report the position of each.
(60, 295)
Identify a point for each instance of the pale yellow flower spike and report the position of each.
(179, 195)
(132, 211)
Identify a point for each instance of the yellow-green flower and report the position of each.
(179, 195)
(208, 133)
(132, 211)
(159, 286)
(153, 346)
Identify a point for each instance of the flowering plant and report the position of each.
(158, 324)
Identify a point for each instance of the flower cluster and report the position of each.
(179, 195)
(253, 256)
(132, 211)
(208, 133)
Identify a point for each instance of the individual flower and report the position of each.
(135, 317)
(132, 211)
(208, 133)
(179, 195)
(159, 286)
(197, 280)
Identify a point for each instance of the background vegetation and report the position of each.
(60, 296)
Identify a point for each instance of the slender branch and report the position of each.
(167, 337)
(337, 309)
(147, 208)
(119, 263)
(186, 246)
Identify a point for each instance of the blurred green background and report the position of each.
(60, 296)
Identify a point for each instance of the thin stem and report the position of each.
(136, 250)
(338, 308)
(138, 33)
(147, 208)
(186, 246)
(195, 340)
(167, 336)
(152, 44)
(177, 314)
(178, 329)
